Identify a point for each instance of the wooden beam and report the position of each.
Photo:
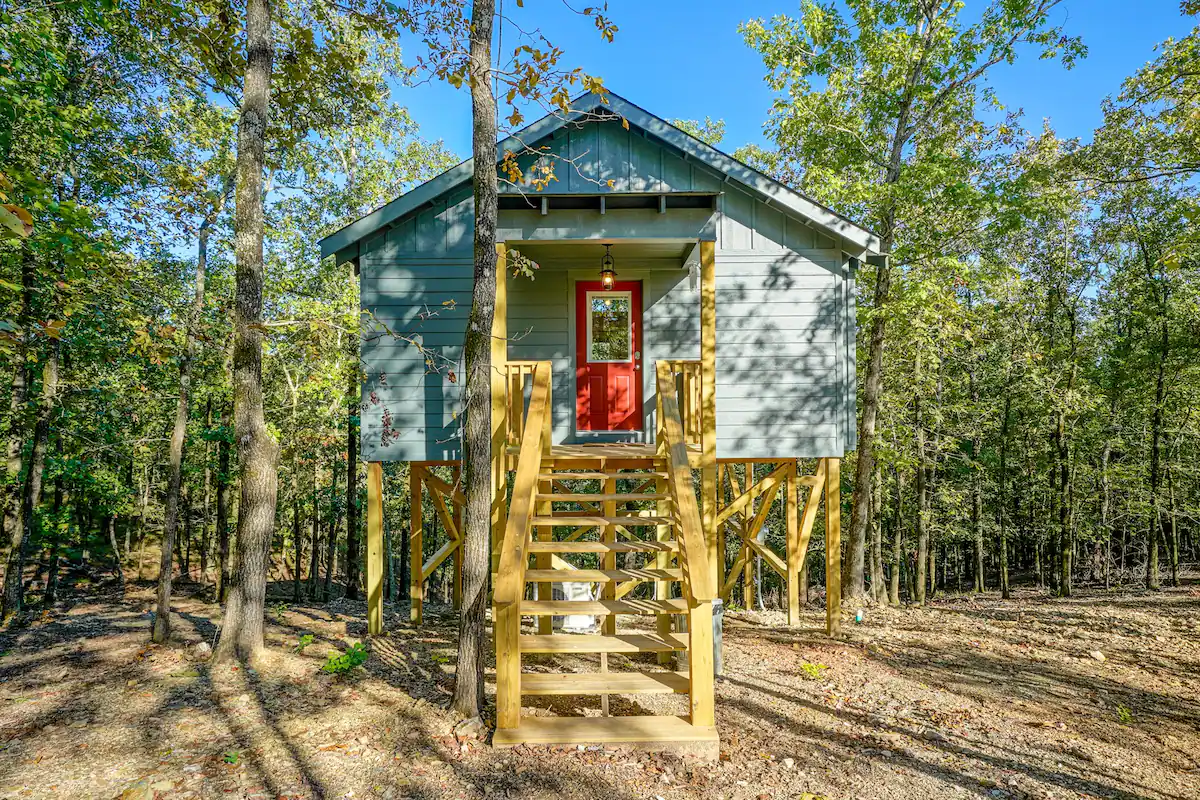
(662, 560)
(374, 548)
(792, 523)
(833, 546)
(435, 561)
(708, 402)
(458, 553)
(448, 490)
(499, 358)
(770, 482)
(416, 527)
(700, 662)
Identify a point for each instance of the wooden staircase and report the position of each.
(575, 517)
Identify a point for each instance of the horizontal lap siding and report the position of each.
(782, 332)
(415, 289)
(539, 330)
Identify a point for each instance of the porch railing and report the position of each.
(694, 557)
(509, 587)
(517, 375)
(685, 378)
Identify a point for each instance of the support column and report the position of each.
(708, 402)
(833, 546)
(499, 358)
(416, 530)
(792, 520)
(374, 548)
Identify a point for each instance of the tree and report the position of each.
(873, 108)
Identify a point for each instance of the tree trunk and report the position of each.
(118, 571)
(223, 475)
(205, 539)
(1154, 532)
(1002, 544)
(314, 556)
(921, 579)
(877, 580)
(897, 544)
(298, 566)
(14, 522)
(162, 615)
(242, 629)
(331, 556)
(50, 596)
(352, 540)
(477, 440)
(37, 457)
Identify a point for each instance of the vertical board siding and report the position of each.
(585, 156)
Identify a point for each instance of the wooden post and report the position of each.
(416, 527)
(700, 661)
(507, 629)
(833, 546)
(748, 514)
(608, 590)
(792, 519)
(457, 514)
(499, 356)
(374, 548)
(662, 560)
(708, 401)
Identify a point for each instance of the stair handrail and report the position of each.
(509, 588)
(679, 482)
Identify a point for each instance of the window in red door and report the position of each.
(608, 356)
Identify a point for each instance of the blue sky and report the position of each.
(684, 58)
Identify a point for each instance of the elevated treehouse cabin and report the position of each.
(720, 336)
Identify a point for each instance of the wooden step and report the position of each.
(600, 476)
(558, 608)
(593, 522)
(631, 731)
(601, 575)
(603, 547)
(597, 643)
(575, 683)
(600, 498)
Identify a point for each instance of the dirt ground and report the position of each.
(1098, 696)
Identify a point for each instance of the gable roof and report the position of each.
(823, 218)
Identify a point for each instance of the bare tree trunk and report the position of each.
(877, 579)
(352, 540)
(1002, 514)
(897, 545)
(223, 476)
(51, 594)
(205, 540)
(297, 543)
(14, 504)
(920, 582)
(111, 525)
(242, 629)
(161, 630)
(477, 439)
(314, 557)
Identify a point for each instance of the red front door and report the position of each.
(608, 356)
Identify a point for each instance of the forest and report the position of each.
(181, 368)
(1028, 362)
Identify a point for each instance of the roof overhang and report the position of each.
(856, 240)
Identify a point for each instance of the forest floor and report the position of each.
(1097, 696)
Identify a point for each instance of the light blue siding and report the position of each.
(785, 384)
